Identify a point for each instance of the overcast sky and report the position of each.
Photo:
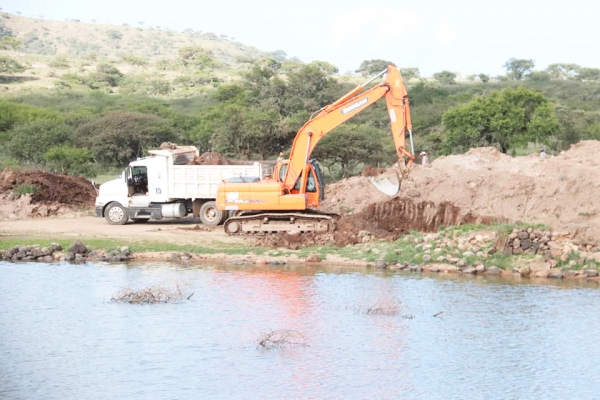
(463, 36)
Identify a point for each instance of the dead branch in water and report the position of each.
(150, 295)
(281, 338)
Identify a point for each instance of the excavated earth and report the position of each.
(481, 186)
(56, 194)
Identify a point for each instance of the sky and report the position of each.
(462, 36)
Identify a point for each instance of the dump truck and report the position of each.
(167, 185)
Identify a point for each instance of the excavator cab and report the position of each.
(310, 182)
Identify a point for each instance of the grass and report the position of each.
(146, 246)
(26, 189)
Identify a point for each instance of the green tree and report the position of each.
(10, 66)
(588, 74)
(196, 56)
(518, 69)
(484, 78)
(120, 136)
(563, 71)
(10, 43)
(350, 145)
(409, 73)
(372, 67)
(109, 74)
(505, 119)
(29, 141)
(71, 160)
(445, 77)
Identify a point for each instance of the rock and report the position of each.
(470, 270)
(312, 258)
(47, 259)
(37, 253)
(468, 254)
(440, 259)
(261, 261)
(590, 273)
(493, 270)
(522, 235)
(525, 270)
(380, 264)
(77, 247)
(125, 251)
(175, 256)
(434, 269)
(571, 273)
(480, 268)
(426, 258)
(516, 243)
(525, 244)
(555, 275)
(55, 247)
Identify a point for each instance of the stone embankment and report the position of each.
(524, 252)
(77, 252)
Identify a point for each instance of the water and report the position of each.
(62, 338)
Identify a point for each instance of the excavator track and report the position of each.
(270, 222)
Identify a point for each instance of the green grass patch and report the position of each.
(114, 244)
(26, 189)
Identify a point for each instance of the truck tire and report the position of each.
(210, 215)
(115, 214)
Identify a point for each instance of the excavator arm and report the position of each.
(346, 107)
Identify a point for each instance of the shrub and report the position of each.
(26, 188)
(71, 160)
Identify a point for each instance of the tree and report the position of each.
(10, 43)
(562, 71)
(518, 69)
(588, 74)
(29, 141)
(372, 67)
(506, 119)
(350, 145)
(120, 136)
(484, 78)
(445, 77)
(10, 66)
(108, 74)
(70, 160)
(409, 73)
(196, 56)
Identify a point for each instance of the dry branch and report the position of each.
(281, 338)
(154, 294)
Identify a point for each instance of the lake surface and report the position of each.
(62, 338)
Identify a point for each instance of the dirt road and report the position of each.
(182, 232)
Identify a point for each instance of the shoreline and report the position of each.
(507, 250)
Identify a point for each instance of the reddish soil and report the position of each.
(52, 187)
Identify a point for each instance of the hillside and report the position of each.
(56, 53)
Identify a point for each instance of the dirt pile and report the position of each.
(211, 158)
(480, 186)
(53, 194)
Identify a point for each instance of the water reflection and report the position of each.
(61, 337)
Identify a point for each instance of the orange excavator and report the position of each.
(282, 202)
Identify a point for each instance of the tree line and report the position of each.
(258, 116)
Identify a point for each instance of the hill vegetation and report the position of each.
(104, 94)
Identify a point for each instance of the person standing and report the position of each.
(281, 157)
(424, 158)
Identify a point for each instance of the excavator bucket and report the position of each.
(389, 182)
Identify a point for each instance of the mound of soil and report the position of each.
(55, 194)
(211, 158)
(480, 186)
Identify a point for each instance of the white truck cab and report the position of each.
(165, 185)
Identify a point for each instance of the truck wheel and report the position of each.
(115, 214)
(210, 215)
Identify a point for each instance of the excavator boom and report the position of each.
(346, 107)
(280, 204)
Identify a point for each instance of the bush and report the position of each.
(30, 141)
(71, 160)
